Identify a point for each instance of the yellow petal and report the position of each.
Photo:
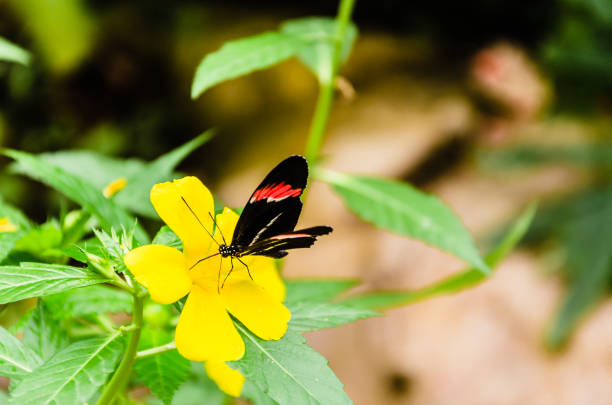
(114, 187)
(162, 270)
(264, 272)
(186, 206)
(256, 309)
(227, 379)
(226, 223)
(205, 330)
(7, 226)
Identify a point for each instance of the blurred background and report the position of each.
(488, 104)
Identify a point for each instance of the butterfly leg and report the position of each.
(201, 260)
(247, 267)
(230, 272)
(219, 275)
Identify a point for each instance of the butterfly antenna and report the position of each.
(247, 267)
(230, 272)
(195, 215)
(217, 226)
(201, 260)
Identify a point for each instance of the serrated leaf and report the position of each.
(243, 56)
(466, 279)
(40, 279)
(198, 386)
(113, 247)
(405, 210)
(162, 373)
(317, 290)
(79, 251)
(289, 371)
(308, 316)
(166, 237)
(72, 375)
(318, 36)
(42, 334)
(90, 198)
(12, 53)
(96, 299)
(16, 359)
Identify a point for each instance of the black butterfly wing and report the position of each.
(276, 246)
(275, 205)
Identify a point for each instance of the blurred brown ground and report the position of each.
(481, 346)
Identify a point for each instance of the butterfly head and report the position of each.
(229, 250)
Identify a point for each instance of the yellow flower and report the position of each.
(227, 379)
(7, 226)
(114, 187)
(205, 330)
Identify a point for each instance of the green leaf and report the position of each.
(42, 334)
(72, 375)
(197, 387)
(587, 236)
(92, 300)
(16, 359)
(8, 240)
(40, 279)
(42, 241)
(101, 169)
(251, 392)
(318, 35)
(14, 215)
(407, 211)
(289, 371)
(91, 246)
(593, 155)
(114, 246)
(308, 316)
(166, 237)
(135, 195)
(12, 53)
(163, 373)
(140, 176)
(317, 290)
(449, 285)
(243, 56)
(78, 190)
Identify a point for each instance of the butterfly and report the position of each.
(266, 225)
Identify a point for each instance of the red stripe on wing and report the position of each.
(277, 192)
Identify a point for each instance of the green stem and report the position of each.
(156, 350)
(122, 374)
(326, 87)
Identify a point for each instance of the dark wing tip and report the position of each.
(316, 230)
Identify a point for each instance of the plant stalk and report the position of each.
(122, 374)
(156, 350)
(326, 88)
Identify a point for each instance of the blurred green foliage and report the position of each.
(578, 54)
